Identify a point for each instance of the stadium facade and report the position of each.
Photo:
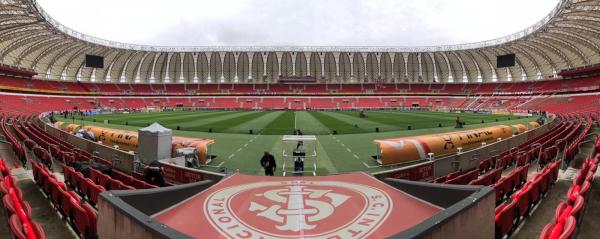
(568, 37)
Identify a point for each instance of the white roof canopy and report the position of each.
(155, 128)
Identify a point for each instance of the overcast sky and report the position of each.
(298, 22)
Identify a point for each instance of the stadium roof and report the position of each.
(567, 37)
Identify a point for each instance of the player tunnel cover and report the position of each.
(338, 206)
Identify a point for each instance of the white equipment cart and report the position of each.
(299, 147)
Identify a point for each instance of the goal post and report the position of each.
(301, 148)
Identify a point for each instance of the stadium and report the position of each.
(489, 139)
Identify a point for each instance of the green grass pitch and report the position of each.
(350, 150)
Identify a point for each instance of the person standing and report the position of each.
(299, 166)
(268, 163)
(459, 124)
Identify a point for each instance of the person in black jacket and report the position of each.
(154, 174)
(268, 163)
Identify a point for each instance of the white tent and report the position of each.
(154, 143)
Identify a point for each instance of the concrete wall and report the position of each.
(479, 217)
(114, 224)
(121, 160)
(470, 159)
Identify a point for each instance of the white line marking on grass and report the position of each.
(356, 156)
(369, 167)
(221, 164)
(349, 150)
(245, 145)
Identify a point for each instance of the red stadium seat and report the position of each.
(48, 183)
(78, 179)
(68, 158)
(577, 207)
(116, 185)
(10, 207)
(523, 200)
(93, 192)
(540, 180)
(585, 190)
(536, 190)
(56, 194)
(139, 184)
(545, 234)
(66, 173)
(104, 181)
(504, 219)
(559, 230)
(84, 219)
(86, 185)
(66, 204)
(499, 187)
(94, 175)
(16, 228)
(590, 177)
(117, 175)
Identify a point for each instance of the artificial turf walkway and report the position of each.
(350, 150)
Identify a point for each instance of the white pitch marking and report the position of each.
(245, 145)
(366, 165)
(240, 149)
(231, 156)
(221, 164)
(356, 156)
(295, 120)
(349, 150)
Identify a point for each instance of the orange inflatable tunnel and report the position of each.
(407, 149)
(128, 140)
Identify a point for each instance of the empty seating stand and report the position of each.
(20, 221)
(569, 213)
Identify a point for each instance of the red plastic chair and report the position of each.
(577, 207)
(10, 207)
(66, 173)
(16, 228)
(94, 175)
(65, 200)
(104, 181)
(93, 193)
(523, 200)
(84, 220)
(585, 189)
(504, 219)
(116, 185)
(86, 184)
(78, 179)
(545, 234)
